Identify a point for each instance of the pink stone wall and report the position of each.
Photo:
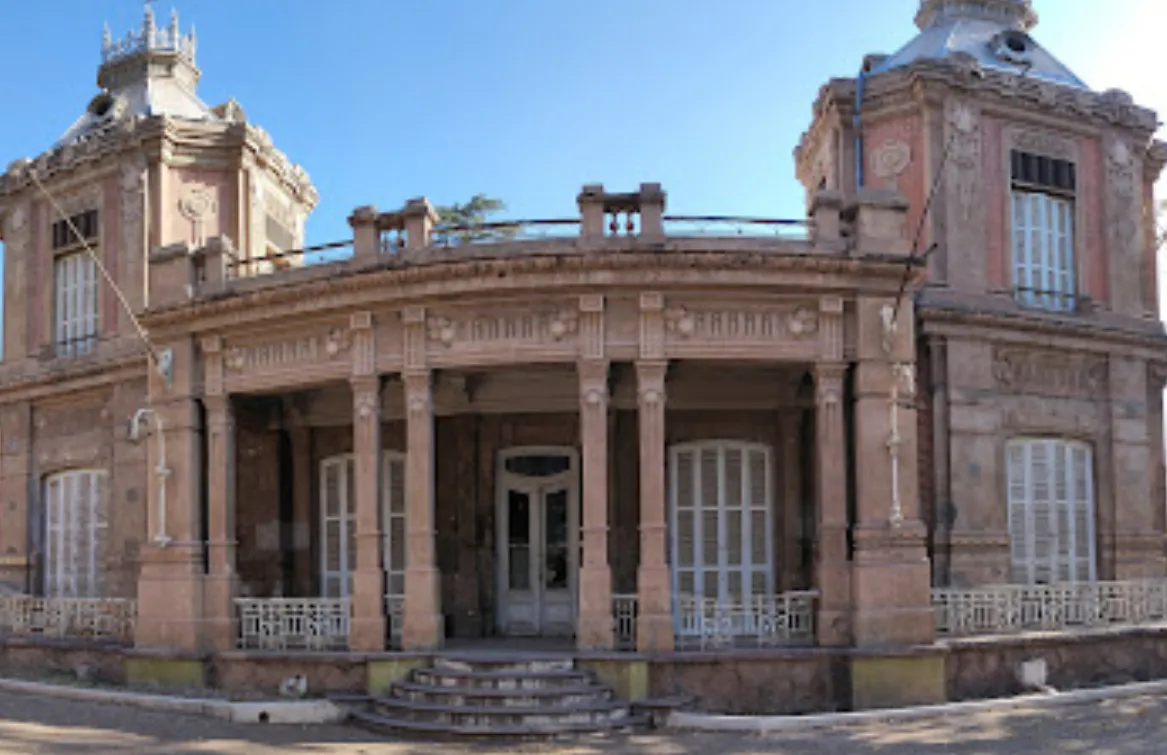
(998, 276)
(218, 219)
(1091, 180)
(880, 140)
(111, 242)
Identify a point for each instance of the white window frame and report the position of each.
(1051, 510)
(75, 303)
(1044, 259)
(76, 526)
(391, 509)
(749, 563)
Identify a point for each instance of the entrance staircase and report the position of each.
(505, 696)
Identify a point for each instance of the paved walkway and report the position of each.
(1122, 727)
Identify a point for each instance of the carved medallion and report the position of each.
(890, 159)
(197, 204)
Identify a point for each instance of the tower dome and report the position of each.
(995, 33)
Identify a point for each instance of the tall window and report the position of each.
(74, 285)
(722, 520)
(1051, 510)
(1043, 231)
(338, 548)
(76, 526)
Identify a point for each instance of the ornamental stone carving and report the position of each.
(1042, 143)
(891, 159)
(1049, 373)
(197, 205)
(741, 324)
(476, 330)
(332, 345)
(1124, 225)
(964, 135)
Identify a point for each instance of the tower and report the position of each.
(1040, 312)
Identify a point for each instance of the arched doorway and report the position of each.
(537, 518)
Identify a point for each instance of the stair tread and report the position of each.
(501, 675)
(427, 727)
(513, 710)
(437, 689)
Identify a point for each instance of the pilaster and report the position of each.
(368, 592)
(831, 567)
(654, 585)
(423, 627)
(222, 582)
(595, 577)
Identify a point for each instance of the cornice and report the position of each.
(400, 280)
(292, 175)
(936, 78)
(961, 320)
(35, 380)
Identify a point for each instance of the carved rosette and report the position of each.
(197, 205)
(889, 160)
(652, 325)
(591, 326)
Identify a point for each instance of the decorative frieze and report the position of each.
(1038, 142)
(363, 344)
(831, 330)
(1047, 372)
(591, 326)
(447, 331)
(963, 122)
(731, 324)
(301, 350)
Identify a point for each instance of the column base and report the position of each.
(423, 628)
(170, 600)
(219, 593)
(595, 631)
(891, 585)
(654, 624)
(367, 627)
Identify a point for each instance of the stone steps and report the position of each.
(498, 696)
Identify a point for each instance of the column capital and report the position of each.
(593, 381)
(650, 381)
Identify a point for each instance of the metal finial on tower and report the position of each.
(106, 38)
(174, 22)
(148, 19)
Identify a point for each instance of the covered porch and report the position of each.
(515, 519)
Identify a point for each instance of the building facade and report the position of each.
(622, 431)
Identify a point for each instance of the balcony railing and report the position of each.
(1011, 609)
(313, 624)
(724, 226)
(762, 621)
(294, 258)
(108, 619)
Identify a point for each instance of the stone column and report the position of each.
(423, 628)
(595, 577)
(831, 568)
(654, 586)
(222, 580)
(891, 575)
(170, 580)
(368, 595)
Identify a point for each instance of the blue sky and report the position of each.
(526, 100)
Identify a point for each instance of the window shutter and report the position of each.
(1020, 527)
(76, 530)
(686, 534)
(333, 484)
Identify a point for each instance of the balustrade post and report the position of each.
(366, 236)
(222, 581)
(420, 218)
(591, 211)
(652, 210)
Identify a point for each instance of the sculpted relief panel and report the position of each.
(1124, 229)
(712, 329)
(493, 336)
(289, 360)
(1050, 373)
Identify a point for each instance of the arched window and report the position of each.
(76, 518)
(722, 520)
(1051, 510)
(338, 544)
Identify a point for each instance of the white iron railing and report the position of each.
(293, 623)
(624, 609)
(84, 618)
(762, 621)
(1007, 609)
(395, 617)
